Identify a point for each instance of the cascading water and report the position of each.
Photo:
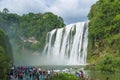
(68, 45)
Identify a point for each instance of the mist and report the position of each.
(38, 59)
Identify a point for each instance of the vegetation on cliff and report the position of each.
(5, 54)
(29, 30)
(104, 35)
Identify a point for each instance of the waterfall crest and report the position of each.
(68, 45)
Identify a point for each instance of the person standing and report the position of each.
(49, 75)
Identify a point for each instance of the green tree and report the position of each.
(5, 55)
(104, 30)
(5, 10)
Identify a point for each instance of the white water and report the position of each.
(68, 45)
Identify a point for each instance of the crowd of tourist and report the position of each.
(29, 73)
(36, 73)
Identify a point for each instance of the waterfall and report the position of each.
(68, 45)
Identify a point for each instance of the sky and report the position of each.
(70, 10)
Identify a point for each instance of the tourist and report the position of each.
(77, 74)
(40, 75)
(52, 73)
(21, 75)
(81, 74)
(48, 74)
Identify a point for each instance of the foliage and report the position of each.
(65, 76)
(104, 33)
(3, 58)
(5, 54)
(5, 44)
(4, 63)
(20, 28)
(109, 64)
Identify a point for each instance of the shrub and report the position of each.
(65, 76)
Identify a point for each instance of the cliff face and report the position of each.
(104, 32)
